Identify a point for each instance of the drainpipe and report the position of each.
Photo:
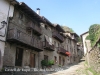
(7, 21)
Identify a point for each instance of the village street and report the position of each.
(76, 69)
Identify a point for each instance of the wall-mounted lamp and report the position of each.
(26, 50)
(3, 23)
(2, 28)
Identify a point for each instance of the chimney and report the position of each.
(38, 11)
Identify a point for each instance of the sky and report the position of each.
(76, 14)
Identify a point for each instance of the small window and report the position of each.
(46, 57)
(63, 61)
(29, 31)
(20, 16)
(58, 44)
(46, 27)
(59, 60)
(18, 34)
(55, 59)
(55, 43)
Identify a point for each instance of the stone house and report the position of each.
(80, 51)
(32, 38)
(72, 46)
(23, 40)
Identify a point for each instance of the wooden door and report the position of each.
(32, 60)
(59, 60)
(19, 55)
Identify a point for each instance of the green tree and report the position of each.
(94, 33)
(67, 29)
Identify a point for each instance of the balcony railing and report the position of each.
(78, 47)
(47, 46)
(17, 36)
(35, 28)
(62, 51)
(58, 36)
(75, 39)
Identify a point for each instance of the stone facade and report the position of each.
(32, 38)
(94, 58)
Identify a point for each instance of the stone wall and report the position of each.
(94, 58)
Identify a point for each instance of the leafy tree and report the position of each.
(94, 33)
(88, 37)
(67, 29)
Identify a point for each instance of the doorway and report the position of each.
(32, 60)
(19, 56)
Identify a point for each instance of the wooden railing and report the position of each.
(58, 36)
(62, 51)
(15, 35)
(48, 46)
(36, 28)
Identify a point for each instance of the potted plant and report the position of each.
(44, 63)
(51, 62)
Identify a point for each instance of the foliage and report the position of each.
(94, 33)
(44, 63)
(88, 37)
(79, 39)
(67, 29)
(50, 62)
(93, 71)
(98, 45)
(47, 63)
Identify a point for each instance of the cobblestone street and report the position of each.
(78, 69)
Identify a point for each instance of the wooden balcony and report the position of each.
(35, 28)
(62, 51)
(58, 36)
(78, 47)
(23, 39)
(47, 46)
(75, 39)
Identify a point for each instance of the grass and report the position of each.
(91, 70)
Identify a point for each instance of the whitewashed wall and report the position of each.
(84, 40)
(4, 8)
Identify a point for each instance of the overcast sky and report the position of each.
(76, 14)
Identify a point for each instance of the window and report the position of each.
(63, 61)
(58, 44)
(20, 16)
(46, 27)
(18, 34)
(55, 43)
(46, 57)
(29, 31)
(55, 59)
(59, 60)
